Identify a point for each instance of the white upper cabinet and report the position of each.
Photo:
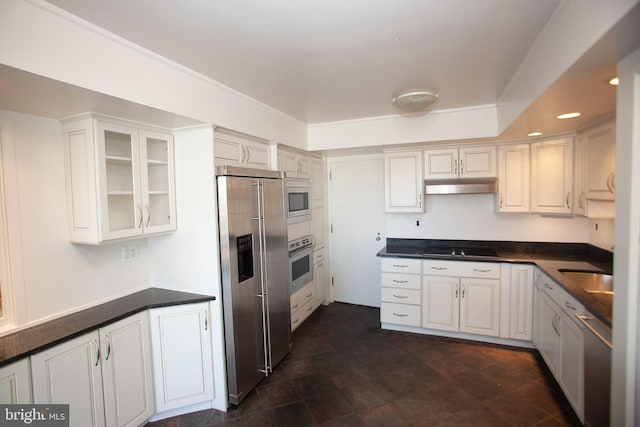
(513, 178)
(552, 176)
(119, 178)
(296, 165)
(463, 162)
(403, 181)
(595, 165)
(235, 149)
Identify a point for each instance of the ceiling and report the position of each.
(331, 60)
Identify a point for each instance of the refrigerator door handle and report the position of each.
(263, 278)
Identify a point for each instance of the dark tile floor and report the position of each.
(344, 370)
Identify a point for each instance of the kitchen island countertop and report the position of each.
(25, 342)
(551, 258)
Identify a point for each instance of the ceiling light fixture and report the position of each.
(534, 133)
(415, 100)
(568, 115)
(614, 81)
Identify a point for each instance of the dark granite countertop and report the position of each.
(549, 257)
(31, 340)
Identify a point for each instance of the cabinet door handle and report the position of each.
(146, 206)
(400, 296)
(141, 216)
(610, 183)
(438, 268)
(106, 338)
(569, 306)
(400, 265)
(95, 343)
(500, 200)
(206, 320)
(461, 167)
(567, 199)
(482, 270)
(548, 286)
(456, 292)
(420, 200)
(400, 315)
(581, 200)
(400, 281)
(455, 167)
(309, 295)
(462, 291)
(295, 306)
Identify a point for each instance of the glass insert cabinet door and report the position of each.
(137, 194)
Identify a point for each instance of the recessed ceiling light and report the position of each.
(614, 81)
(534, 133)
(568, 115)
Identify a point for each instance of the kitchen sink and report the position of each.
(593, 282)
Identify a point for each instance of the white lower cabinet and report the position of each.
(521, 302)
(559, 338)
(127, 376)
(319, 278)
(302, 305)
(105, 375)
(182, 355)
(15, 383)
(461, 296)
(400, 301)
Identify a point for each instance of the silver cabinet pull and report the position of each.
(455, 167)
(95, 343)
(566, 304)
(400, 281)
(146, 206)
(309, 295)
(106, 338)
(141, 217)
(548, 286)
(400, 265)
(461, 167)
(462, 291)
(400, 315)
(482, 270)
(500, 199)
(400, 296)
(567, 200)
(295, 306)
(438, 268)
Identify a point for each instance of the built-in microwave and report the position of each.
(298, 200)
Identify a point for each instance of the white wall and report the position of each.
(57, 276)
(68, 49)
(474, 217)
(188, 259)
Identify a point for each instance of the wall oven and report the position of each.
(300, 263)
(297, 200)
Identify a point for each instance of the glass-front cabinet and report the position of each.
(133, 171)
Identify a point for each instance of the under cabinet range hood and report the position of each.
(461, 186)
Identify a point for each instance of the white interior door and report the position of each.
(356, 197)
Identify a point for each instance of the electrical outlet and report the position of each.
(417, 223)
(129, 253)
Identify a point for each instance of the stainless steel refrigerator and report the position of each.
(254, 268)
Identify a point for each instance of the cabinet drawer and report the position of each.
(400, 314)
(301, 297)
(395, 280)
(490, 270)
(401, 296)
(318, 256)
(569, 304)
(301, 314)
(401, 265)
